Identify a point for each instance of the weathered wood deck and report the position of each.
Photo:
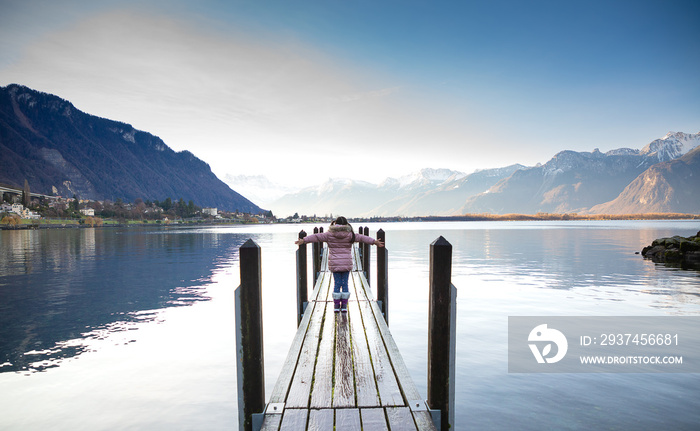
(344, 369)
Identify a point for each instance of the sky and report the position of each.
(302, 91)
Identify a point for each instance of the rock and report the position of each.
(675, 251)
(687, 246)
(672, 255)
(692, 259)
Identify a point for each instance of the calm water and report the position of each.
(134, 329)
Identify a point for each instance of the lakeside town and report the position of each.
(73, 212)
(22, 209)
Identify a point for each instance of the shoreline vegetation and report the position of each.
(86, 222)
(554, 217)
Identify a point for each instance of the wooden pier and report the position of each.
(343, 370)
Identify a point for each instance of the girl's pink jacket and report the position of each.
(339, 239)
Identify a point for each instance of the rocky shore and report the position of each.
(675, 251)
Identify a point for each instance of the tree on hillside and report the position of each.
(191, 209)
(26, 195)
(75, 205)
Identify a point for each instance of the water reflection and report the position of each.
(59, 286)
(63, 291)
(510, 269)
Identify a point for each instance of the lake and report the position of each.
(134, 328)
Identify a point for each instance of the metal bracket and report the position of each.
(274, 409)
(257, 419)
(418, 405)
(436, 415)
(271, 409)
(379, 303)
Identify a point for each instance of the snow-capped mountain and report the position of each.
(571, 181)
(428, 191)
(257, 188)
(443, 197)
(427, 178)
(339, 196)
(671, 146)
(576, 181)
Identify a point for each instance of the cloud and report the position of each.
(240, 102)
(244, 89)
(368, 95)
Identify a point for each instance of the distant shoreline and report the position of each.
(552, 217)
(75, 224)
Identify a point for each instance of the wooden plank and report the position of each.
(323, 283)
(271, 423)
(422, 418)
(300, 389)
(356, 261)
(399, 366)
(321, 394)
(400, 419)
(347, 420)
(279, 392)
(366, 387)
(294, 420)
(281, 388)
(388, 387)
(343, 376)
(373, 419)
(321, 420)
(424, 421)
(356, 287)
(324, 259)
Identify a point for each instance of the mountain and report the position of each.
(444, 196)
(337, 196)
(670, 186)
(671, 146)
(576, 181)
(258, 188)
(570, 182)
(61, 150)
(426, 192)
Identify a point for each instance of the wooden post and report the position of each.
(316, 258)
(361, 248)
(366, 255)
(302, 279)
(441, 333)
(249, 337)
(320, 252)
(383, 276)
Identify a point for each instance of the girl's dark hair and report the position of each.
(342, 221)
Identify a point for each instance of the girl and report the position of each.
(340, 238)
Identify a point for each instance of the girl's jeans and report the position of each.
(340, 289)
